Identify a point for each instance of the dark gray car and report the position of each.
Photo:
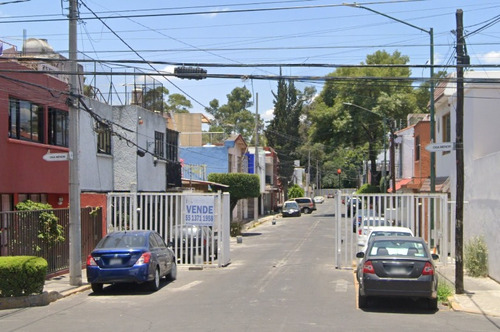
(397, 267)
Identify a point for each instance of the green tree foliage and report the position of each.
(234, 116)
(338, 125)
(283, 131)
(295, 191)
(241, 185)
(154, 99)
(178, 103)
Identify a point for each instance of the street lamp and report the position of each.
(431, 105)
(384, 121)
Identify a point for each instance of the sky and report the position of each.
(260, 34)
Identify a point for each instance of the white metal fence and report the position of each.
(199, 235)
(428, 215)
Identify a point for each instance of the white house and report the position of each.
(481, 155)
(122, 148)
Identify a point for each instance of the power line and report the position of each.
(140, 56)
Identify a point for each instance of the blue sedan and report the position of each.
(131, 256)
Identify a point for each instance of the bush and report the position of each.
(295, 191)
(368, 189)
(476, 257)
(22, 275)
(50, 231)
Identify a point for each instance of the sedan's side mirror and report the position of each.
(360, 254)
(170, 244)
(435, 257)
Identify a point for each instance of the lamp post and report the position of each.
(384, 121)
(431, 101)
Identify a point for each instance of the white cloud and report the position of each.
(268, 115)
(490, 57)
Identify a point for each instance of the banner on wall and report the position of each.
(199, 210)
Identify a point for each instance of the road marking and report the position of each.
(341, 286)
(187, 286)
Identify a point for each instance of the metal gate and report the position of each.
(195, 242)
(427, 215)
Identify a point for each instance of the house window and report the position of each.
(58, 127)
(446, 128)
(25, 120)
(417, 148)
(159, 144)
(103, 138)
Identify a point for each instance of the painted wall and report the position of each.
(22, 169)
(96, 170)
(481, 158)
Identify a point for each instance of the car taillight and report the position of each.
(144, 259)
(368, 268)
(91, 261)
(428, 269)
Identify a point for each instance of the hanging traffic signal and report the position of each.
(190, 73)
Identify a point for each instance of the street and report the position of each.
(282, 278)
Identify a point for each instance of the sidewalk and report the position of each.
(481, 296)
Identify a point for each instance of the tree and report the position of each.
(154, 99)
(178, 103)
(283, 131)
(295, 191)
(340, 125)
(241, 185)
(234, 115)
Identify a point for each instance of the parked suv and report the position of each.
(306, 204)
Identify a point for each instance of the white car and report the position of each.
(318, 199)
(385, 231)
(366, 225)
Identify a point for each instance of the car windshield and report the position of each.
(398, 248)
(123, 241)
(290, 205)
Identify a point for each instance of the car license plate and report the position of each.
(115, 261)
(398, 270)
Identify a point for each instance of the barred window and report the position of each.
(103, 138)
(159, 144)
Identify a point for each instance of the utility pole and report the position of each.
(75, 233)
(308, 174)
(256, 156)
(459, 236)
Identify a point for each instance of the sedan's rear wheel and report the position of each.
(154, 284)
(432, 304)
(97, 288)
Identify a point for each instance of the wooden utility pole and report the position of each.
(459, 237)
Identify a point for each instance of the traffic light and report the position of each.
(190, 73)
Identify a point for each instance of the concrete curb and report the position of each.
(38, 300)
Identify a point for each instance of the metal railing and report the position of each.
(20, 235)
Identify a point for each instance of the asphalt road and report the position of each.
(282, 278)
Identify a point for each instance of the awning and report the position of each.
(399, 184)
(442, 185)
(202, 185)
